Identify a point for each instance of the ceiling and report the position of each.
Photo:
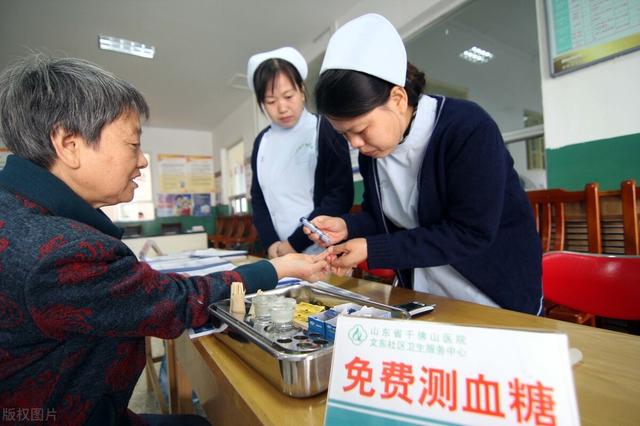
(200, 44)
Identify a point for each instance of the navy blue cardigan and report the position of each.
(472, 211)
(332, 193)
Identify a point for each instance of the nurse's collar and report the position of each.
(408, 130)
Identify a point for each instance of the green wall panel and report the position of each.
(358, 190)
(152, 227)
(607, 162)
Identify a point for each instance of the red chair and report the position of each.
(385, 275)
(603, 285)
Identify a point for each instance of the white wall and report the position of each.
(157, 140)
(598, 102)
(241, 125)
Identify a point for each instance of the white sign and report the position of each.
(415, 372)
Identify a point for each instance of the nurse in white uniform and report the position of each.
(442, 203)
(301, 166)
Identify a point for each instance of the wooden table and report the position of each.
(607, 380)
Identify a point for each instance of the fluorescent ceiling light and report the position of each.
(126, 46)
(477, 55)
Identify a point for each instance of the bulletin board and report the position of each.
(582, 33)
(186, 185)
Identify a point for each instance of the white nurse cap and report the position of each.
(368, 44)
(287, 53)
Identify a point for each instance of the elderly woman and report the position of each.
(75, 303)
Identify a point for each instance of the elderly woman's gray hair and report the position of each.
(40, 94)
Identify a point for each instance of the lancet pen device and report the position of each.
(315, 230)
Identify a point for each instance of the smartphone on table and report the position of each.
(416, 308)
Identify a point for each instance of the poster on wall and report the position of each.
(201, 204)
(173, 173)
(200, 174)
(581, 33)
(174, 205)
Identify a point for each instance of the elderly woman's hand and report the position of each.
(303, 266)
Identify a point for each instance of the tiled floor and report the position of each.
(143, 400)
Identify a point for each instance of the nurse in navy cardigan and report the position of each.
(301, 166)
(442, 202)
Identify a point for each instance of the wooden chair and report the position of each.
(620, 219)
(225, 226)
(240, 232)
(239, 225)
(568, 220)
(249, 238)
(619, 216)
(630, 195)
(603, 285)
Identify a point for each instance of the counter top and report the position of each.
(607, 379)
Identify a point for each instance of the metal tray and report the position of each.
(297, 364)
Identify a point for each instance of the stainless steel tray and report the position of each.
(299, 364)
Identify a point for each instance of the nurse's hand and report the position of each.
(334, 227)
(345, 257)
(303, 266)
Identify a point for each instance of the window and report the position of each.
(535, 146)
(239, 204)
(506, 84)
(236, 184)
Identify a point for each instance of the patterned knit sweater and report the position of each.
(75, 303)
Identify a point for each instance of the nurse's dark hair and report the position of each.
(347, 93)
(40, 94)
(268, 71)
